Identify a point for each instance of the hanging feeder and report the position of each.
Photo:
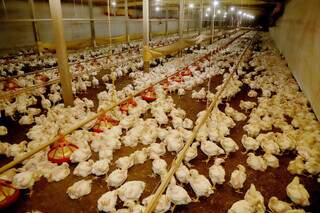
(43, 78)
(11, 85)
(165, 84)
(186, 72)
(61, 151)
(8, 193)
(149, 95)
(177, 78)
(125, 106)
(104, 121)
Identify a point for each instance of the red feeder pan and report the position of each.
(61, 151)
(107, 120)
(8, 194)
(125, 106)
(165, 84)
(11, 85)
(42, 78)
(186, 73)
(176, 78)
(149, 95)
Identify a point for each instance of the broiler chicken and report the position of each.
(79, 189)
(59, 173)
(117, 177)
(83, 169)
(107, 202)
(278, 206)
(256, 162)
(200, 184)
(211, 149)
(217, 172)
(131, 190)
(238, 177)
(177, 194)
(163, 204)
(298, 193)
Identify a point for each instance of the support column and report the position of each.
(181, 18)
(200, 16)
(126, 20)
(145, 11)
(212, 23)
(61, 51)
(93, 31)
(35, 26)
(167, 17)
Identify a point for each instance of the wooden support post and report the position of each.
(200, 17)
(181, 18)
(35, 26)
(212, 23)
(92, 27)
(126, 20)
(145, 11)
(61, 51)
(167, 17)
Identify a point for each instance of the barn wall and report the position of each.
(297, 35)
(20, 34)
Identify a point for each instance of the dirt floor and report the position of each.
(52, 197)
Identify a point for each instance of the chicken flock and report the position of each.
(156, 129)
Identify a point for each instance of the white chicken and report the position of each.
(107, 202)
(200, 184)
(271, 160)
(256, 199)
(140, 156)
(241, 206)
(157, 150)
(79, 189)
(59, 173)
(163, 204)
(177, 194)
(100, 167)
(83, 169)
(238, 177)
(278, 206)
(159, 167)
(296, 166)
(80, 155)
(174, 141)
(229, 145)
(250, 143)
(23, 180)
(247, 105)
(131, 190)
(217, 172)
(183, 174)
(211, 149)
(3, 130)
(256, 162)
(192, 153)
(125, 162)
(117, 177)
(298, 193)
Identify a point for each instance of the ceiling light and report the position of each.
(208, 9)
(219, 11)
(215, 3)
(191, 5)
(157, 9)
(232, 8)
(113, 4)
